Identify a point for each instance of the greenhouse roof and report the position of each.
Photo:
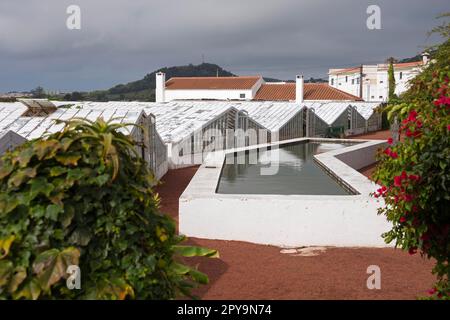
(330, 111)
(35, 127)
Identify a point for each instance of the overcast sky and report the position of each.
(121, 41)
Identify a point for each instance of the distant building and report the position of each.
(370, 82)
(246, 89)
(15, 94)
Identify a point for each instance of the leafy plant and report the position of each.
(415, 173)
(84, 197)
(391, 80)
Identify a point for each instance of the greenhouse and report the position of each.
(372, 119)
(288, 120)
(343, 119)
(29, 123)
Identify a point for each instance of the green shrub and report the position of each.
(415, 173)
(84, 197)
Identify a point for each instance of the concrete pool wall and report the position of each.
(289, 220)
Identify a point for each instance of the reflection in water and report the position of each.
(297, 172)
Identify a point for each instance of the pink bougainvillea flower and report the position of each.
(412, 250)
(404, 175)
(387, 151)
(402, 219)
(390, 141)
(409, 133)
(448, 127)
(425, 236)
(432, 291)
(442, 100)
(394, 155)
(414, 177)
(408, 197)
(397, 181)
(412, 115)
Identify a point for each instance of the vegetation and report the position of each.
(84, 197)
(415, 173)
(38, 93)
(143, 90)
(391, 80)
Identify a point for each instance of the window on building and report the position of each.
(332, 81)
(242, 95)
(357, 80)
(372, 97)
(346, 78)
(381, 97)
(381, 81)
(353, 81)
(401, 75)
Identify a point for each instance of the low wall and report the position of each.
(289, 220)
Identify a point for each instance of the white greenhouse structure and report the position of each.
(344, 119)
(19, 120)
(181, 133)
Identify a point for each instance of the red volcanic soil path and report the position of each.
(251, 271)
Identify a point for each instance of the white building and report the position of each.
(375, 85)
(245, 89)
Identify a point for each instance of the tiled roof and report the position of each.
(408, 64)
(346, 70)
(226, 83)
(312, 91)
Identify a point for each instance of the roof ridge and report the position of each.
(213, 77)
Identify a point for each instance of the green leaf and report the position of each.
(5, 245)
(68, 159)
(67, 216)
(31, 290)
(198, 276)
(45, 148)
(51, 265)
(6, 269)
(80, 236)
(18, 277)
(57, 171)
(40, 185)
(52, 211)
(179, 268)
(193, 251)
(5, 169)
(25, 156)
(21, 176)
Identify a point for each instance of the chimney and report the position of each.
(160, 94)
(425, 58)
(299, 90)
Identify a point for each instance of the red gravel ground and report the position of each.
(250, 271)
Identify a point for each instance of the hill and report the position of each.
(143, 89)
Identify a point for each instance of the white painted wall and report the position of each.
(212, 94)
(375, 81)
(208, 94)
(288, 220)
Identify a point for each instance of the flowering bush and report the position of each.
(414, 174)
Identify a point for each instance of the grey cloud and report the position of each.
(123, 40)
